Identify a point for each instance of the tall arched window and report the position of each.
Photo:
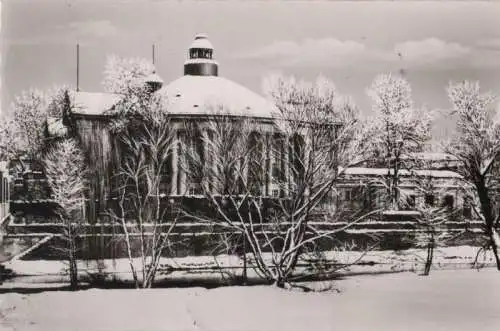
(256, 174)
(297, 159)
(278, 162)
(166, 174)
(196, 165)
(193, 157)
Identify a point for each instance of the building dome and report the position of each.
(204, 95)
(202, 92)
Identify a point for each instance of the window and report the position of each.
(207, 54)
(429, 199)
(276, 158)
(357, 193)
(467, 211)
(193, 152)
(297, 157)
(330, 198)
(348, 196)
(194, 189)
(410, 201)
(277, 174)
(380, 198)
(200, 53)
(448, 201)
(256, 167)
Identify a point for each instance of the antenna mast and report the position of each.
(153, 54)
(78, 67)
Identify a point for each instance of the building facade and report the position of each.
(196, 97)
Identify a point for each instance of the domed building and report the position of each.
(197, 96)
(201, 96)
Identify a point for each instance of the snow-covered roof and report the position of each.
(438, 173)
(432, 156)
(359, 171)
(94, 103)
(202, 95)
(201, 41)
(188, 95)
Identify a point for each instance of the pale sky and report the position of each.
(349, 42)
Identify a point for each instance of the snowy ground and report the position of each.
(446, 300)
(206, 267)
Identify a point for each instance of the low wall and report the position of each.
(101, 240)
(192, 244)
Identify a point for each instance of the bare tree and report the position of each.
(64, 167)
(143, 210)
(271, 184)
(433, 234)
(397, 129)
(476, 145)
(147, 140)
(431, 231)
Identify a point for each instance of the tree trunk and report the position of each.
(128, 245)
(431, 258)
(244, 276)
(487, 211)
(494, 243)
(280, 283)
(394, 187)
(392, 193)
(73, 269)
(428, 261)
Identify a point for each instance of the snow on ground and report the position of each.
(196, 267)
(446, 300)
